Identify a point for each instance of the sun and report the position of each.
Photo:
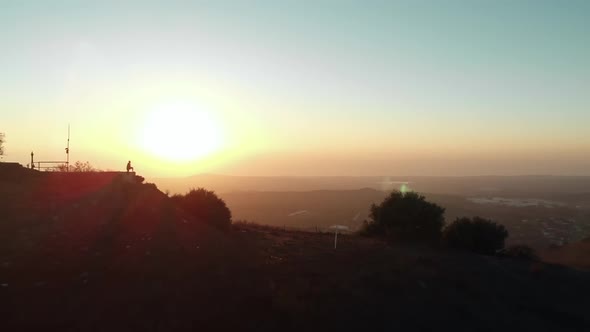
(180, 132)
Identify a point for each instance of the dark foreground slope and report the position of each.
(108, 255)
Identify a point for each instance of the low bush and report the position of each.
(475, 234)
(206, 206)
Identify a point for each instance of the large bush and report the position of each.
(406, 216)
(206, 206)
(475, 234)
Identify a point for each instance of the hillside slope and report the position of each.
(97, 253)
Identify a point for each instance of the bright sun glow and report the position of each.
(180, 132)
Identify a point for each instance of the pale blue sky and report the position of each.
(389, 82)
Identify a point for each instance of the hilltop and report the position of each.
(105, 252)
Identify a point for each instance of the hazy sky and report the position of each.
(300, 87)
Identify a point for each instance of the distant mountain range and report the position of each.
(540, 186)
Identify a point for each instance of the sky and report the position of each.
(299, 87)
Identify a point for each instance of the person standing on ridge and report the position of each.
(129, 167)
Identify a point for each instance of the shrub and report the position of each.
(78, 166)
(520, 251)
(405, 216)
(1, 144)
(206, 206)
(478, 235)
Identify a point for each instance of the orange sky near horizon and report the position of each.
(333, 88)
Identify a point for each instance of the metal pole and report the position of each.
(68, 151)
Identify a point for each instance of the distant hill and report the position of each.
(512, 186)
(536, 223)
(307, 210)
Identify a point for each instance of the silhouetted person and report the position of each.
(129, 167)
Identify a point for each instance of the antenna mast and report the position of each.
(68, 151)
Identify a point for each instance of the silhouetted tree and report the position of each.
(206, 206)
(2, 144)
(406, 216)
(475, 234)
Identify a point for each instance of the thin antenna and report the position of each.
(68, 151)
